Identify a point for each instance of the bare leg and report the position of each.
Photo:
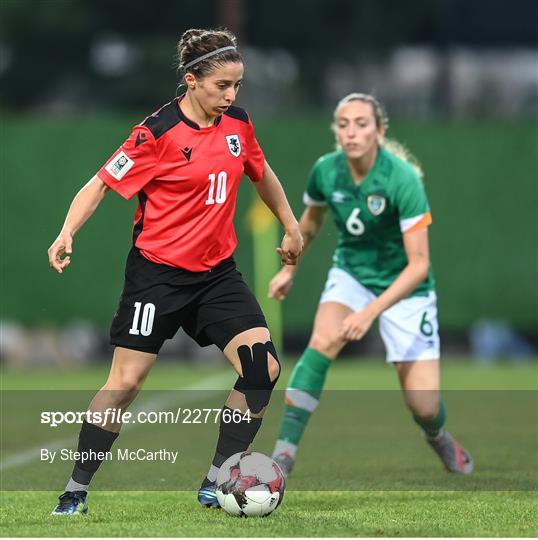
(420, 384)
(327, 325)
(127, 374)
(128, 371)
(306, 383)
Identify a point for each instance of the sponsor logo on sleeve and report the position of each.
(234, 145)
(119, 166)
(376, 204)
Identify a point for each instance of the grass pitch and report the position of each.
(472, 509)
(321, 514)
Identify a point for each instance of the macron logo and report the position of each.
(141, 138)
(187, 152)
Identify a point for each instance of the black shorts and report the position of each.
(212, 307)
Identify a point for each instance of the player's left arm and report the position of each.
(272, 194)
(418, 263)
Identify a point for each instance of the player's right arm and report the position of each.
(309, 225)
(82, 207)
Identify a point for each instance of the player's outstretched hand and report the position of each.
(280, 285)
(291, 247)
(63, 245)
(357, 324)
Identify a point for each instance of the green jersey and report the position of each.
(371, 217)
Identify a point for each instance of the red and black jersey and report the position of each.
(186, 178)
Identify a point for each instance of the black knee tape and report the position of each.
(255, 382)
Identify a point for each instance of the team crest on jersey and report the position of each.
(234, 144)
(119, 166)
(376, 204)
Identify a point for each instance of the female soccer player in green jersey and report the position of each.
(381, 268)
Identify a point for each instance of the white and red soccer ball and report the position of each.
(250, 484)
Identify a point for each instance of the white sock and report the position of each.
(285, 447)
(75, 486)
(212, 474)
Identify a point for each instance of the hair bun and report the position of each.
(190, 35)
(196, 42)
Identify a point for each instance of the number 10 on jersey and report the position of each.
(220, 195)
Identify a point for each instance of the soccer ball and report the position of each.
(250, 484)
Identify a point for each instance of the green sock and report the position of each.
(303, 394)
(432, 428)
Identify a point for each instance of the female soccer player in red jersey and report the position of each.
(185, 162)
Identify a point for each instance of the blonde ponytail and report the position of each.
(399, 150)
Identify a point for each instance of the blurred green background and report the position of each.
(478, 178)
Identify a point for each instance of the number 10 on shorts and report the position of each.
(146, 325)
